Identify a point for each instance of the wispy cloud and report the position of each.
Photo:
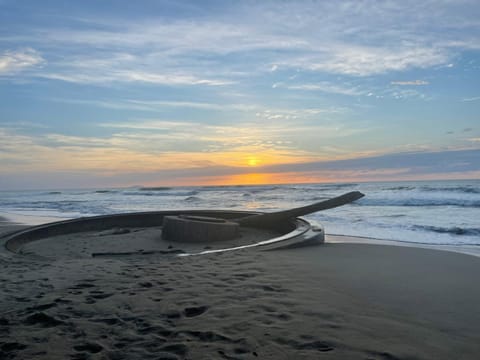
(14, 61)
(153, 124)
(476, 98)
(410, 83)
(120, 160)
(295, 114)
(355, 60)
(142, 146)
(357, 91)
(146, 143)
(257, 110)
(158, 105)
(254, 38)
(108, 104)
(107, 76)
(326, 87)
(231, 142)
(195, 105)
(404, 94)
(411, 163)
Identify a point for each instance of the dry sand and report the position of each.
(334, 301)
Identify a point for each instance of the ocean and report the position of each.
(423, 212)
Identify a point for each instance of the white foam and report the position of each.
(30, 219)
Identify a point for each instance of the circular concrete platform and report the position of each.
(141, 234)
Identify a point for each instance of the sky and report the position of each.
(124, 93)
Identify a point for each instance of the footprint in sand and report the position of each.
(317, 345)
(179, 349)
(42, 319)
(10, 347)
(195, 311)
(89, 347)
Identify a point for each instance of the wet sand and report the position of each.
(334, 301)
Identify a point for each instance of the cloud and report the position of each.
(410, 83)
(106, 76)
(396, 165)
(295, 114)
(355, 60)
(108, 104)
(110, 162)
(348, 89)
(13, 62)
(152, 125)
(326, 87)
(472, 99)
(143, 144)
(230, 44)
(404, 94)
(168, 79)
(260, 111)
(119, 153)
(156, 104)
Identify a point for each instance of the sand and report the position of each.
(333, 301)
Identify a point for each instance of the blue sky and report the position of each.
(117, 93)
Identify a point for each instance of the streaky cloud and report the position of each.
(191, 51)
(15, 61)
(411, 82)
(131, 77)
(476, 98)
(418, 162)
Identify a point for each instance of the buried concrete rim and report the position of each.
(300, 231)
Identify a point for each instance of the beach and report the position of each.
(331, 301)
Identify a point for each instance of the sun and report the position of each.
(252, 161)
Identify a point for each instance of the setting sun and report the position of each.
(252, 161)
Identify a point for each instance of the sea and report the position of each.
(420, 212)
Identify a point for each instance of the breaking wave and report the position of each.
(449, 230)
(416, 202)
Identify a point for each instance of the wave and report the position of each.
(106, 191)
(160, 193)
(419, 202)
(456, 189)
(399, 188)
(467, 189)
(324, 187)
(63, 206)
(155, 188)
(340, 186)
(224, 187)
(455, 230)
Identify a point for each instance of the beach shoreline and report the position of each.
(473, 250)
(26, 220)
(334, 301)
